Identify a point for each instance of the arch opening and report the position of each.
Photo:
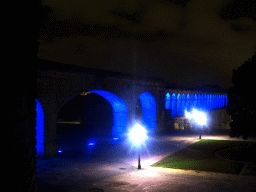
(167, 101)
(174, 105)
(91, 117)
(188, 103)
(119, 112)
(183, 104)
(148, 111)
(179, 105)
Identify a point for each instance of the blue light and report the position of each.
(167, 101)
(188, 102)
(148, 110)
(208, 102)
(199, 101)
(178, 105)
(115, 140)
(191, 101)
(39, 129)
(195, 101)
(205, 102)
(60, 151)
(183, 104)
(119, 112)
(174, 105)
(91, 144)
(211, 102)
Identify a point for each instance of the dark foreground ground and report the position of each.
(112, 166)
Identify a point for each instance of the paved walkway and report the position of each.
(121, 174)
(161, 179)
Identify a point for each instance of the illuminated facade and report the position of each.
(213, 104)
(205, 102)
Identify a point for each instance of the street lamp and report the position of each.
(138, 134)
(197, 117)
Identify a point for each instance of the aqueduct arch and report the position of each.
(119, 112)
(148, 110)
(118, 105)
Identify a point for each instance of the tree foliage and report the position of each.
(241, 100)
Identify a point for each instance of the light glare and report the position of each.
(197, 116)
(138, 134)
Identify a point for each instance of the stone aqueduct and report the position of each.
(57, 83)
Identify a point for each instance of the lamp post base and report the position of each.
(139, 166)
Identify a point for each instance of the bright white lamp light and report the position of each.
(197, 116)
(138, 134)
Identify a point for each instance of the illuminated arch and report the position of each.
(218, 101)
(214, 101)
(200, 101)
(148, 110)
(183, 104)
(195, 101)
(207, 101)
(39, 129)
(174, 105)
(188, 102)
(179, 105)
(119, 112)
(204, 101)
(192, 101)
(167, 101)
(222, 101)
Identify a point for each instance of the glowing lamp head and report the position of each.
(138, 134)
(197, 116)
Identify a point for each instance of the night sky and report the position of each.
(190, 42)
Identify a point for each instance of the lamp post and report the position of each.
(137, 135)
(197, 117)
(139, 166)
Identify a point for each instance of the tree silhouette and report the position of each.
(241, 100)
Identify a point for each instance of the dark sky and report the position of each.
(190, 42)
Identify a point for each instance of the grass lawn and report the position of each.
(200, 156)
